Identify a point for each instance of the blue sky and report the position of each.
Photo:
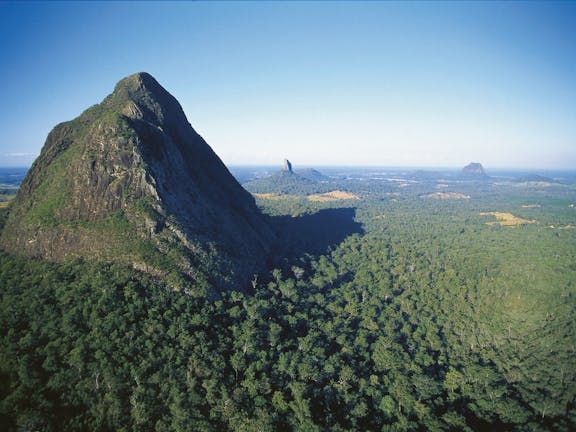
(322, 83)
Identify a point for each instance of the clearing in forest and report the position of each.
(446, 195)
(334, 195)
(6, 202)
(506, 219)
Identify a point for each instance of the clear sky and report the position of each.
(322, 83)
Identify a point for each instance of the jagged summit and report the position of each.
(286, 166)
(139, 80)
(285, 181)
(130, 180)
(131, 85)
(151, 101)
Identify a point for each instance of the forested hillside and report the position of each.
(414, 314)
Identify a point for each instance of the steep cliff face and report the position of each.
(130, 180)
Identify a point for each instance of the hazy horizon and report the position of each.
(319, 167)
(391, 84)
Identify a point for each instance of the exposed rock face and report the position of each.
(130, 180)
(474, 169)
(287, 166)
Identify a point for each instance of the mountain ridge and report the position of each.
(286, 181)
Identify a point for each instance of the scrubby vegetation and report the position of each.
(285, 183)
(426, 318)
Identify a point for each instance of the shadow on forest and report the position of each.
(314, 233)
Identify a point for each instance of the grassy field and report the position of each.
(5, 200)
(506, 219)
(446, 195)
(335, 195)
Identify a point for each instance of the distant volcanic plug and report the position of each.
(474, 169)
(286, 165)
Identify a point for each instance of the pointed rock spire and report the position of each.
(130, 180)
(286, 165)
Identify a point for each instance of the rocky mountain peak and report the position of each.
(286, 166)
(130, 180)
(474, 169)
(140, 96)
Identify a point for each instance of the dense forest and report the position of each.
(396, 311)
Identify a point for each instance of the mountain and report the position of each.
(287, 165)
(535, 178)
(312, 174)
(474, 170)
(130, 180)
(285, 181)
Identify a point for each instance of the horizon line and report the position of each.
(307, 165)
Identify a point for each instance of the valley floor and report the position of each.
(386, 309)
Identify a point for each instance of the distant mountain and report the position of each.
(535, 178)
(283, 182)
(474, 170)
(312, 174)
(286, 181)
(130, 180)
